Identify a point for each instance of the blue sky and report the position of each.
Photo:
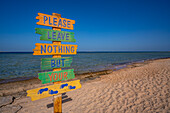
(115, 25)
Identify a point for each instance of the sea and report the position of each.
(24, 65)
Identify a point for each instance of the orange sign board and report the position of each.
(53, 49)
(55, 21)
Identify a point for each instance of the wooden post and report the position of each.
(58, 98)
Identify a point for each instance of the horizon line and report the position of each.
(79, 51)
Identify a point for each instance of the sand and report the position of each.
(141, 87)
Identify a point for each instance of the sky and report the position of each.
(108, 25)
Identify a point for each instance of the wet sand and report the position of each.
(141, 87)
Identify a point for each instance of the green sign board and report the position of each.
(55, 35)
(54, 76)
(51, 63)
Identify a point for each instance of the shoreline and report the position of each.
(87, 76)
(34, 82)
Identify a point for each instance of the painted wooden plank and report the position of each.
(54, 21)
(54, 76)
(53, 49)
(52, 90)
(55, 35)
(51, 63)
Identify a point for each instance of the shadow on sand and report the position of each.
(64, 99)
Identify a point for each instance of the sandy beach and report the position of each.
(141, 87)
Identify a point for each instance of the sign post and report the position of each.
(58, 98)
(56, 62)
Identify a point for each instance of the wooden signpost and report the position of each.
(56, 62)
(57, 98)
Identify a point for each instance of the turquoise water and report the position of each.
(14, 65)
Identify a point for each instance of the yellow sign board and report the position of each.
(52, 90)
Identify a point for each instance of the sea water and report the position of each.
(25, 65)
